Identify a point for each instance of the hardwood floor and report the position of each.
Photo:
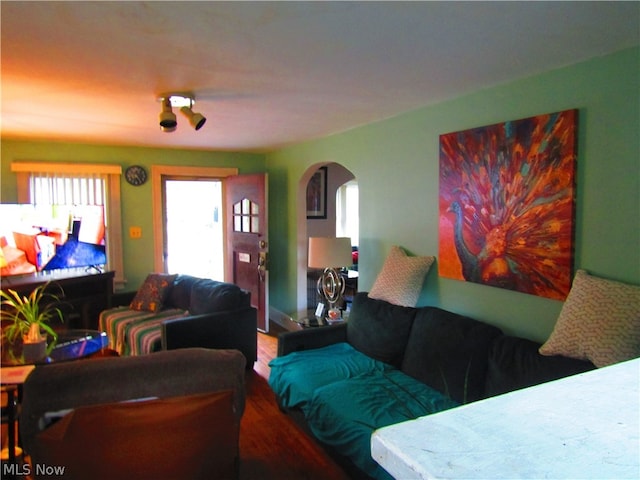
(272, 445)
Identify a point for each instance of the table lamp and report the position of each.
(330, 253)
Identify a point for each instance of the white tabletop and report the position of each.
(584, 426)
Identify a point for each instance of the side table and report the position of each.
(71, 345)
(308, 319)
(11, 380)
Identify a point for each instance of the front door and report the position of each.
(188, 229)
(247, 239)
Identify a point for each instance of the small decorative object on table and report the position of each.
(329, 254)
(334, 314)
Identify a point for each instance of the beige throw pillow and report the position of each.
(401, 278)
(600, 322)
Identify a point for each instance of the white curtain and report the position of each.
(65, 189)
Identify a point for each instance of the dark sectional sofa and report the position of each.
(389, 364)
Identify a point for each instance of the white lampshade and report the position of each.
(327, 252)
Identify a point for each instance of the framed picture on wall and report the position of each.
(507, 204)
(317, 194)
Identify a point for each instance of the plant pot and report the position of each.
(34, 351)
(11, 353)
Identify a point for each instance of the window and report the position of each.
(246, 216)
(347, 212)
(69, 189)
(78, 184)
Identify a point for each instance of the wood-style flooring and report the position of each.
(272, 445)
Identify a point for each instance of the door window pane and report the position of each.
(245, 216)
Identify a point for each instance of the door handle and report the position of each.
(262, 265)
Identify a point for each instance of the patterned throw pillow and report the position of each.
(153, 292)
(401, 278)
(600, 322)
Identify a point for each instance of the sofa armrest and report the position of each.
(310, 338)
(116, 379)
(235, 329)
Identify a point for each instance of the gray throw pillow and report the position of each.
(180, 296)
(209, 296)
(449, 352)
(379, 329)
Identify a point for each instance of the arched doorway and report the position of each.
(337, 179)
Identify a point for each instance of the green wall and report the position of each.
(136, 201)
(396, 164)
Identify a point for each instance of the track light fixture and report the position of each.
(183, 101)
(168, 121)
(196, 120)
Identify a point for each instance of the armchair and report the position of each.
(170, 414)
(182, 311)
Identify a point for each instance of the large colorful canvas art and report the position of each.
(507, 196)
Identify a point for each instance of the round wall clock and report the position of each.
(135, 175)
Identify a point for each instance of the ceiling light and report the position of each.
(168, 120)
(195, 119)
(185, 102)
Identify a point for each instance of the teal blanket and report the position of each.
(344, 414)
(295, 377)
(345, 396)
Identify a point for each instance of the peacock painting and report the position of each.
(507, 204)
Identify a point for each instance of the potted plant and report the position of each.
(27, 318)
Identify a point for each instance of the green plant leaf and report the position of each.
(23, 311)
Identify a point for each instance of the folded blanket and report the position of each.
(118, 323)
(295, 377)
